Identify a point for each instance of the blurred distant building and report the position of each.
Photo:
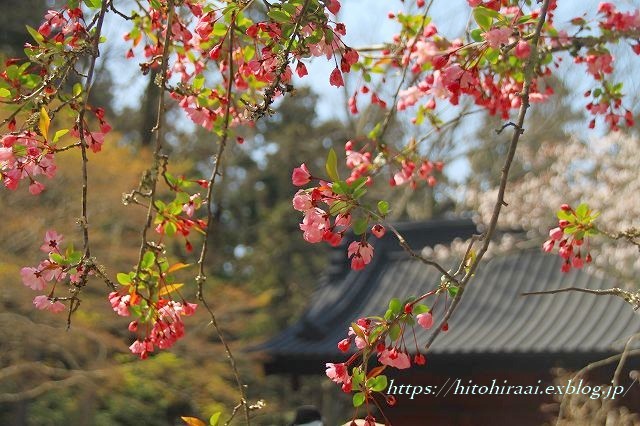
(496, 337)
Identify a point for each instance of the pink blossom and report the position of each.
(43, 303)
(577, 262)
(338, 372)
(335, 79)
(32, 278)
(36, 188)
(522, 50)
(301, 69)
(556, 233)
(360, 254)
(548, 246)
(301, 175)
(120, 304)
(333, 6)
(394, 358)
(343, 221)
(497, 37)
(6, 154)
(314, 224)
(425, 320)
(302, 201)
(52, 241)
(378, 230)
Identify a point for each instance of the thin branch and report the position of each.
(42, 388)
(392, 110)
(632, 298)
(201, 278)
(153, 174)
(517, 133)
(84, 222)
(623, 359)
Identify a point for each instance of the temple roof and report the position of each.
(493, 322)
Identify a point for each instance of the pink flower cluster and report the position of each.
(167, 327)
(23, 156)
(410, 174)
(446, 74)
(67, 26)
(394, 355)
(317, 223)
(47, 271)
(256, 56)
(618, 21)
(570, 245)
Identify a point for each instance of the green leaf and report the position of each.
(582, 210)
(358, 399)
(338, 207)
(156, 4)
(356, 378)
(483, 18)
(375, 132)
(44, 122)
(378, 384)
(562, 215)
(383, 207)
(170, 229)
(59, 134)
(453, 290)
(359, 193)
(492, 55)
(394, 332)
(332, 165)
(4, 93)
(94, 4)
(420, 309)
(74, 258)
(215, 418)
(147, 260)
(476, 35)
(279, 16)
(57, 258)
(124, 279)
(395, 306)
(360, 226)
(35, 34)
(340, 187)
(198, 82)
(356, 329)
(77, 89)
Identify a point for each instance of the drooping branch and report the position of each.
(201, 277)
(517, 133)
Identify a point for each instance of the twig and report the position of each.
(518, 130)
(201, 278)
(632, 298)
(623, 359)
